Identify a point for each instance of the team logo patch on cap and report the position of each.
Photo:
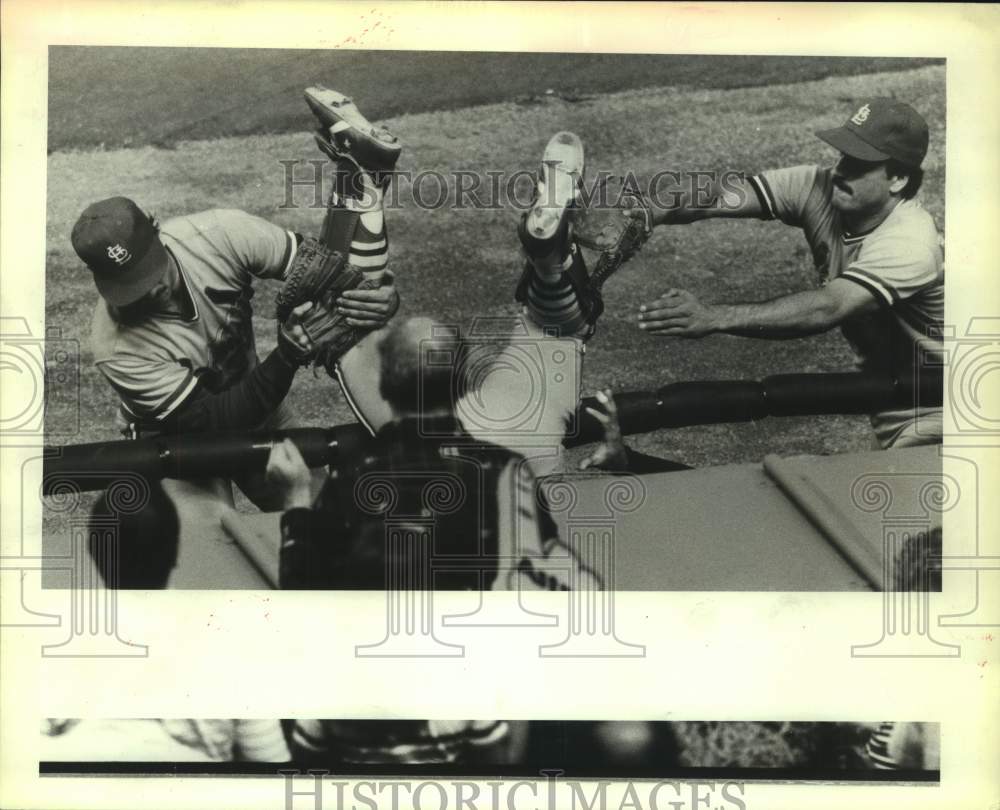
(119, 243)
(118, 254)
(861, 115)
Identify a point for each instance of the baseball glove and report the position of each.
(320, 275)
(615, 222)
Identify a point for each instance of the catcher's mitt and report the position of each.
(615, 221)
(320, 275)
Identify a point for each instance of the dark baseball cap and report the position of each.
(119, 243)
(882, 129)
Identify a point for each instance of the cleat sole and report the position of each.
(559, 188)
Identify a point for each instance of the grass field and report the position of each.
(112, 97)
(456, 264)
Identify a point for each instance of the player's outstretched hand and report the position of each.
(677, 313)
(370, 309)
(288, 474)
(610, 453)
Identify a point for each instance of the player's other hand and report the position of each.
(288, 474)
(293, 340)
(610, 453)
(370, 309)
(677, 313)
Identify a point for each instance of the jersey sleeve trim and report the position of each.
(163, 409)
(873, 284)
(181, 393)
(764, 195)
(291, 248)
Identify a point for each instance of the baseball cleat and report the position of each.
(547, 223)
(346, 133)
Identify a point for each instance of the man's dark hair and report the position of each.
(914, 177)
(134, 549)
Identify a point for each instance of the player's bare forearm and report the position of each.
(678, 313)
(790, 316)
(681, 198)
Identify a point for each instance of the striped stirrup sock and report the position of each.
(355, 220)
(552, 299)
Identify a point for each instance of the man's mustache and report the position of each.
(840, 183)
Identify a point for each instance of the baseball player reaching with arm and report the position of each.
(876, 251)
(173, 331)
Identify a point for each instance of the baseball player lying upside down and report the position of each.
(444, 497)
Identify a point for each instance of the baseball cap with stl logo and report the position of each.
(120, 245)
(881, 129)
